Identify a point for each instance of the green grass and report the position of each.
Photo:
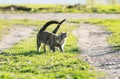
(23, 62)
(48, 8)
(4, 26)
(113, 8)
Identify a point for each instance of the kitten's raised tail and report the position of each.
(58, 26)
(62, 21)
(47, 24)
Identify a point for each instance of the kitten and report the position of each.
(50, 39)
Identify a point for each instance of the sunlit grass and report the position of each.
(36, 8)
(109, 8)
(23, 62)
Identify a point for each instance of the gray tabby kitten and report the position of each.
(51, 39)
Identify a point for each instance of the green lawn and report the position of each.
(23, 62)
(48, 8)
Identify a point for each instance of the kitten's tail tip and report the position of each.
(62, 21)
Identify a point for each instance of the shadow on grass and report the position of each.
(30, 53)
(73, 50)
(116, 47)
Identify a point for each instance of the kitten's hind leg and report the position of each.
(44, 47)
(52, 48)
(38, 46)
(61, 49)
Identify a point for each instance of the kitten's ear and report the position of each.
(60, 33)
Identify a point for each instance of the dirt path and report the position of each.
(49, 16)
(96, 51)
(15, 35)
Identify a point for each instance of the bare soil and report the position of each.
(15, 35)
(92, 40)
(50, 16)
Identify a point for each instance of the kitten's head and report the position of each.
(63, 35)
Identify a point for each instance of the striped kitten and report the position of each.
(51, 39)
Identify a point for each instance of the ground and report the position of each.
(91, 39)
(15, 35)
(49, 16)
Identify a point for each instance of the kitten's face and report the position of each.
(63, 35)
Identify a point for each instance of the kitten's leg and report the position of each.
(61, 49)
(38, 46)
(44, 47)
(52, 48)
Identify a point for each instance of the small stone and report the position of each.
(119, 65)
(110, 67)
